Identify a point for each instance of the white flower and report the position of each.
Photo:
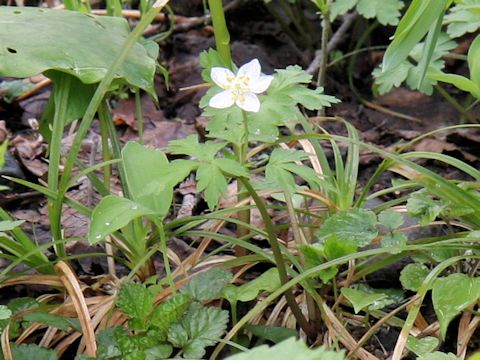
(240, 89)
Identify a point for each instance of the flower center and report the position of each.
(238, 87)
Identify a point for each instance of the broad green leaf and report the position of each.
(355, 227)
(107, 347)
(112, 214)
(32, 351)
(170, 311)
(463, 18)
(413, 275)
(473, 62)
(162, 351)
(208, 285)
(25, 54)
(268, 281)
(288, 350)
(199, 328)
(5, 312)
(211, 180)
(135, 301)
(274, 334)
(422, 346)
(335, 246)
(340, 7)
(315, 255)
(360, 299)
(7, 225)
(59, 322)
(387, 12)
(391, 219)
(311, 99)
(392, 296)
(437, 355)
(413, 26)
(451, 295)
(151, 184)
(459, 81)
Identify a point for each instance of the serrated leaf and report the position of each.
(268, 281)
(59, 322)
(311, 99)
(107, 343)
(355, 227)
(422, 346)
(360, 299)
(463, 18)
(190, 146)
(112, 214)
(340, 7)
(230, 167)
(22, 303)
(170, 311)
(413, 275)
(386, 80)
(158, 352)
(291, 75)
(30, 54)
(391, 219)
(32, 351)
(200, 327)
(387, 12)
(135, 301)
(208, 285)
(451, 295)
(211, 180)
(208, 59)
(288, 350)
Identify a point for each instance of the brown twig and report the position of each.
(334, 41)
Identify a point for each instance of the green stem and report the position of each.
(279, 261)
(164, 250)
(243, 215)
(106, 154)
(322, 70)
(452, 101)
(138, 110)
(100, 92)
(61, 95)
(222, 36)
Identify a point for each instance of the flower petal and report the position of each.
(260, 85)
(252, 70)
(221, 76)
(222, 100)
(249, 102)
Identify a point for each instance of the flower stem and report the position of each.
(279, 261)
(244, 215)
(222, 36)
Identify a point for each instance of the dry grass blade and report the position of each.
(6, 350)
(70, 282)
(47, 280)
(466, 329)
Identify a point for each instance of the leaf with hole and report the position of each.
(26, 48)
